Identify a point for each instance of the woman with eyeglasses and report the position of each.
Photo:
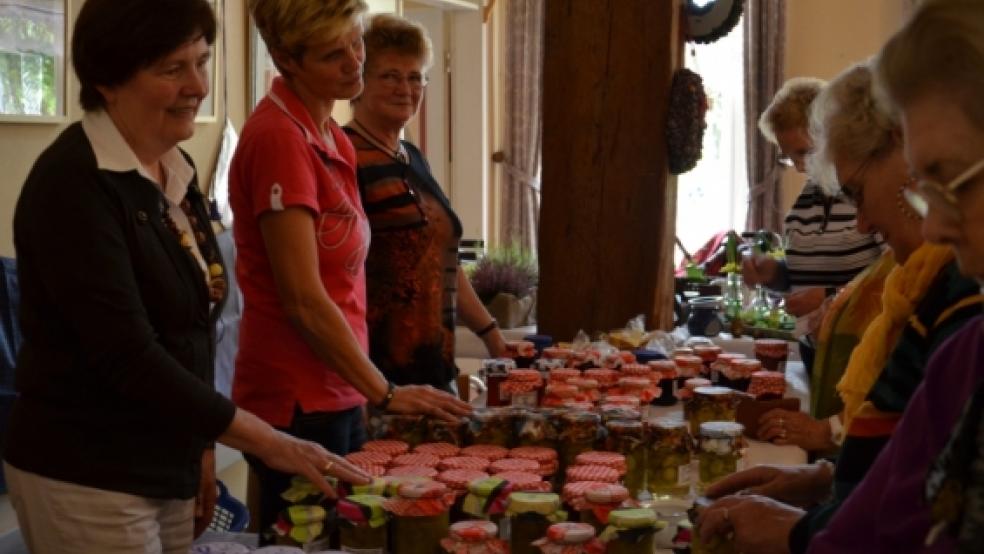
(414, 284)
(925, 301)
(301, 238)
(932, 72)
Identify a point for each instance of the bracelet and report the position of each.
(488, 328)
(390, 390)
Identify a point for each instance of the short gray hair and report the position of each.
(790, 107)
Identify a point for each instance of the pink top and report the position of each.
(282, 161)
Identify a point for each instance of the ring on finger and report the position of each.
(782, 422)
(328, 466)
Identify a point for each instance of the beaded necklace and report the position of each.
(214, 273)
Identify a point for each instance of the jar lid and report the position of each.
(219, 547)
(636, 369)
(530, 375)
(464, 462)
(369, 506)
(439, 449)
(416, 459)
(601, 374)
(721, 429)
(458, 479)
(749, 365)
(667, 423)
(714, 391)
(544, 503)
(487, 451)
(632, 518)
(411, 471)
(368, 458)
(500, 364)
(570, 533)
(564, 373)
(513, 464)
(730, 356)
(646, 355)
(485, 486)
(557, 352)
(610, 493)
(576, 489)
(618, 413)
(634, 382)
(601, 458)
(697, 382)
(592, 473)
(525, 481)
(623, 427)
(583, 382)
(623, 400)
(561, 390)
(391, 447)
(421, 489)
(688, 360)
(662, 365)
(536, 453)
(473, 530)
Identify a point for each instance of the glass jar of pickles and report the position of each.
(492, 426)
(578, 434)
(628, 439)
(419, 516)
(668, 463)
(721, 448)
(631, 531)
(410, 429)
(362, 524)
(710, 404)
(530, 514)
(535, 430)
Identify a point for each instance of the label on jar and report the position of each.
(524, 399)
(683, 475)
(354, 550)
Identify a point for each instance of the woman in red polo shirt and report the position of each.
(302, 238)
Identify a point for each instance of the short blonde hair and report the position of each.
(392, 33)
(940, 49)
(286, 25)
(790, 107)
(848, 122)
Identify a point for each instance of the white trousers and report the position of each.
(56, 517)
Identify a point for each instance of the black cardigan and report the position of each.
(115, 372)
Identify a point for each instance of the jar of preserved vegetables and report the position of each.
(631, 531)
(579, 433)
(492, 426)
(668, 464)
(628, 439)
(530, 514)
(419, 517)
(720, 451)
(362, 524)
(710, 404)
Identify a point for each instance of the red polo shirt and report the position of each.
(282, 161)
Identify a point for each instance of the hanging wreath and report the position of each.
(708, 21)
(685, 122)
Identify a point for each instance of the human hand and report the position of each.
(800, 485)
(207, 493)
(744, 516)
(300, 457)
(758, 269)
(804, 301)
(788, 427)
(425, 399)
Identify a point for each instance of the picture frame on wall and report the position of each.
(32, 61)
(207, 110)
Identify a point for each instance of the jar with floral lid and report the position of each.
(362, 524)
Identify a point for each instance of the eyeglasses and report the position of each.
(393, 79)
(943, 197)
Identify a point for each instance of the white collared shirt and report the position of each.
(114, 154)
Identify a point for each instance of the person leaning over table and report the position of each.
(925, 302)
(415, 286)
(302, 237)
(824, 249)
(933, 72)
(110, 442)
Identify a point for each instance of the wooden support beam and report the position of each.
(609, 206)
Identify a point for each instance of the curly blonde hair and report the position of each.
(286, 25)
(392, 33)
(790, 107)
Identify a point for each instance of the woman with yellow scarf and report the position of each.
(925, 300)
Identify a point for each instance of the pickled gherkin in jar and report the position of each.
(578, 434)
(720, 451)
(669, 458)
(492, 426)
(710, 404)
(628, 439)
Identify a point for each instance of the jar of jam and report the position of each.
(628, 439)
(707, 353)
(362, 524)
(665, 376)
(579, 432)
(561, 375)
(570, 538)
(494, 372)
(668, 463)
(721, 365)
(530, 514)
(598, 502)
(457, 481)
(419, 517)
(492, 426)
(688, 366)
(474, 537)
(631, 531)
(710, 404)
(767, 385)
(556, 394)
(587, 388)
(720, 451)
(524, 388)
(606, 378)
(739, 375)
(773, 353)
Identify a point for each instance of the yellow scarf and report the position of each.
(904, 289)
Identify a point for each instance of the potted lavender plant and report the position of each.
(505, 280)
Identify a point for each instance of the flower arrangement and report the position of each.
(511, 269)
(685, 122)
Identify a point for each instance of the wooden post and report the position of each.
(608, 204)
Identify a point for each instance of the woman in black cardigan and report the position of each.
(110, 444)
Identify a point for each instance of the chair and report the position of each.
(230, 514)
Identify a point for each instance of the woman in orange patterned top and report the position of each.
(415, 287)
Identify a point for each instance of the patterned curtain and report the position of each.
(765, 39)
(523, 124)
